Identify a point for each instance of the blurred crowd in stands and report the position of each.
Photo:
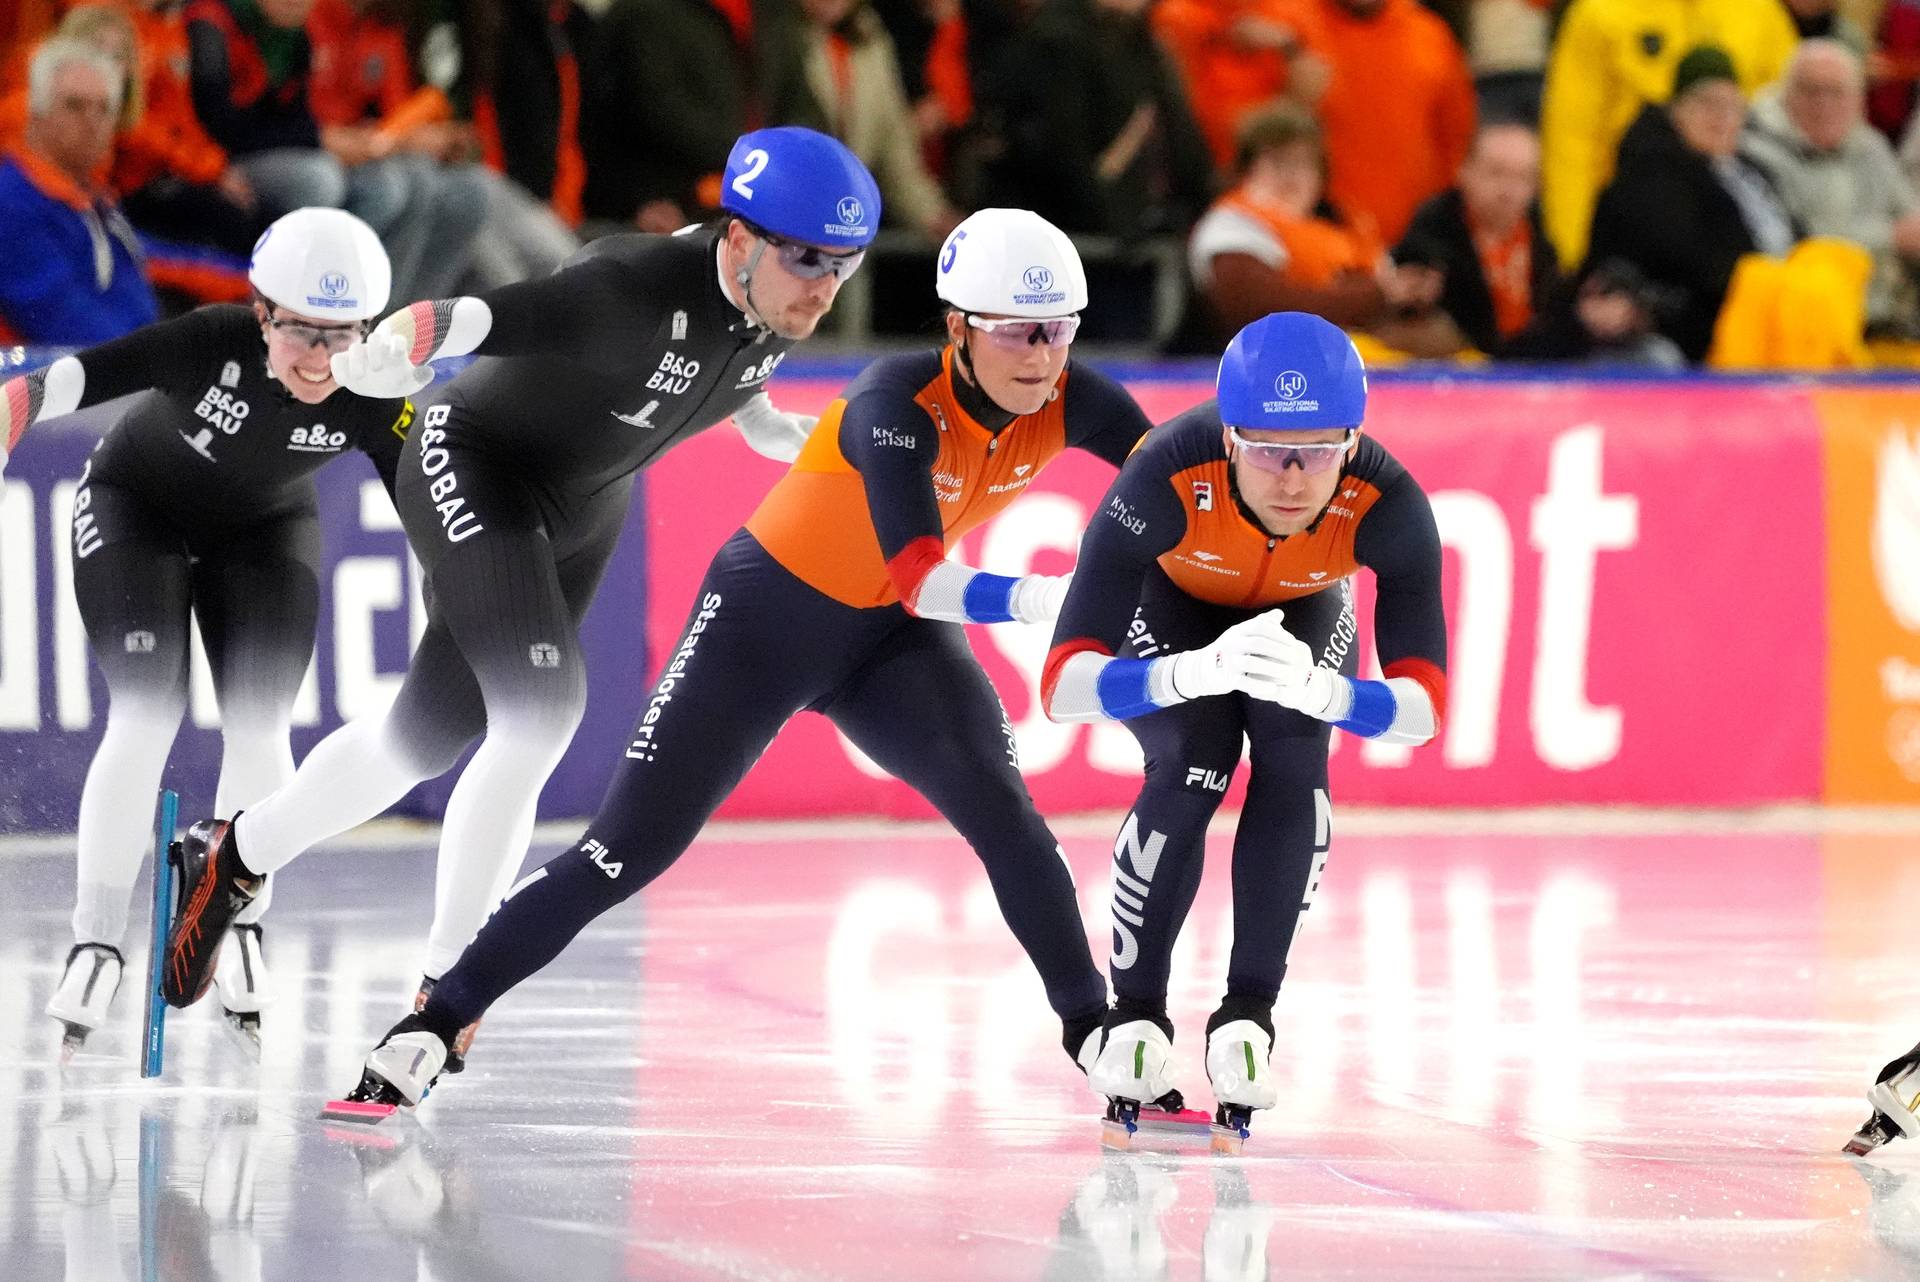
(1664, 183)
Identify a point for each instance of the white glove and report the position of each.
(377, 367)
(1259, 657)
(1037, 597)
(773, 433)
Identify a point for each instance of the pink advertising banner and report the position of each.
(1634, 572)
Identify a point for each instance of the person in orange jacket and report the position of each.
(1399, 114)
(172, 177)
(1239, 55)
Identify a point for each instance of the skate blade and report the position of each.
(1116, 1135)
(1873, 1132)
(243, 1035)
(1187, 1119)
(1228, 1140)
(364, 1112)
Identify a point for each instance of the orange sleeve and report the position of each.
(947, 74)
(13, 117)
(1187, 23)
(424, 106)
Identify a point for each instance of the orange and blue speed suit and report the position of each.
(1172, 560)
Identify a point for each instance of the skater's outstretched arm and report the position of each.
(154, 356)
(1400, 542)
(1140, 519)
(598, 310)
(893, 443)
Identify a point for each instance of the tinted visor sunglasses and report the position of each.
(1278, 456)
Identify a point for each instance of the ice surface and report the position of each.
(823, 1057)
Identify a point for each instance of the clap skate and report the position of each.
(213, 888)
(399, 1073)
(85, 992)
(1132, 1071)
(240, 975)
(1126, 1118)
(1237, 1054)
(1895, 1096)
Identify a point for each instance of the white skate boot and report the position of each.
(1895, 1096)
(241, 977)
(1237, 1055)
(86, 990)
(398, 1074)
(1135, 1067)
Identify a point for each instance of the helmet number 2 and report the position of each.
(756, 164)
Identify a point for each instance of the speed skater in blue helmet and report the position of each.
(1292, 372)
(804, 206)
(1292, 394)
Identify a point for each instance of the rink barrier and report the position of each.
(1662, 590)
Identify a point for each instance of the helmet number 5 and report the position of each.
(756, 161)
(953, 251)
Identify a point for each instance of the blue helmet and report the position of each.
(1292, 371)
(803, 186)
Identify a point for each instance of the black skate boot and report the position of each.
(213, 886)
(1895, 1094)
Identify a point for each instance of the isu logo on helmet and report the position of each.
(1038, 279)
(1290, 385)
(851, 211)
(333, 285)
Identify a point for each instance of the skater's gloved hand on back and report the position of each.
(1258, 657)
(378, 368)
(1037, 597)
(771, 432)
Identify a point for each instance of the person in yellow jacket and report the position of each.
(1613, 57)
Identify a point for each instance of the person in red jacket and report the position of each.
(470, 216)
(252, 72)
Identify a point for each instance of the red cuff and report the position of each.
(1431, 679)
(19, 409)
(1057, 659)
(426, 334)
(910, 567)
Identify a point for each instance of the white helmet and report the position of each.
(323, 263)
(1011, 262)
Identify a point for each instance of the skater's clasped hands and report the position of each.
(378, 367)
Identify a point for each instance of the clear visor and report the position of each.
(1278, 456)
(335, 338)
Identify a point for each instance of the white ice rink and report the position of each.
(821, 1056)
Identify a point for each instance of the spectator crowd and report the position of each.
(1668, 183)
